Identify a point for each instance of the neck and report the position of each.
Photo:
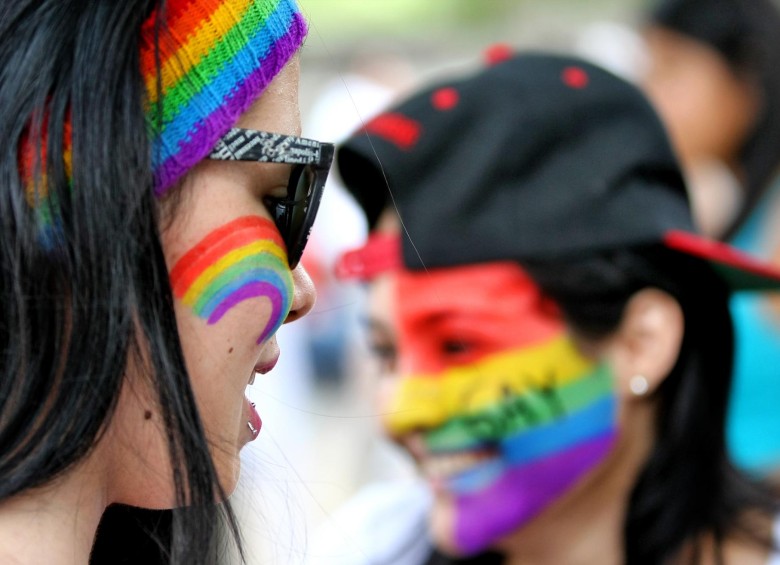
(587, 525)
(55, 524)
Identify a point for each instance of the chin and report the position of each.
(228, 468)
(442, 526)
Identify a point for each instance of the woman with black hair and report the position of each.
(714, 76)
(154, 204)
(556, 337)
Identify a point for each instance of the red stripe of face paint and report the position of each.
(237, 233)
(492, 307)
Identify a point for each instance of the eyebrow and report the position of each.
(437, 315)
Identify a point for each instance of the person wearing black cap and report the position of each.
(562, 335)
(714, 76)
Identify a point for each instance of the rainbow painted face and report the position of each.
(496, 403)
(241, 260)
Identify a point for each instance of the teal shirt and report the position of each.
(753, 425)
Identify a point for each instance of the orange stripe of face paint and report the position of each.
(495, 306)
(242, 231)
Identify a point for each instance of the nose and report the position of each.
(304, 295)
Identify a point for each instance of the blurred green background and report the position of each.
(435, 35)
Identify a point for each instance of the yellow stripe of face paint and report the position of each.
(231, 258)
(430, 400)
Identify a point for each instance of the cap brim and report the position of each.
(739, 270)
(380, 254)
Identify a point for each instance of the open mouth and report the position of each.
(449, 465)
(263, 366)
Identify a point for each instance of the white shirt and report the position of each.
(384, 524)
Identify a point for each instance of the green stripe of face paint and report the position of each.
(521, 412)
(263, 260)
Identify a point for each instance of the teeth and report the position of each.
(447, 465)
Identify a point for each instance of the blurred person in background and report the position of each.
(714, 76)
(556, 339)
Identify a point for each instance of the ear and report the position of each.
(647, 342)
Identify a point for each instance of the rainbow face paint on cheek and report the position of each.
(239, 261)
(514, 417)
(545, 416)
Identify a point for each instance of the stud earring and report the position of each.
(638, 385)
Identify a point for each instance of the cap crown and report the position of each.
(537, 156)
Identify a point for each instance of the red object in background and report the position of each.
(395, 128)
(445, 99)
(575, 77)
(380, 254)
(498, 53)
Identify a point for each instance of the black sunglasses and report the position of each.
(294, 214)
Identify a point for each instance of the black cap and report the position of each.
(537, 156)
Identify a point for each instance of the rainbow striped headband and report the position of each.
(217, 57)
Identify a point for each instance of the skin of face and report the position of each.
(708, 109)
(498, 406)
(227, 332)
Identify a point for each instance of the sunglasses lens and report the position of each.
(301, 213)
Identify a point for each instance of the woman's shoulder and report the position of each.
(383, 524)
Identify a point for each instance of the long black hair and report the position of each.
(688, 491)
(84, 286)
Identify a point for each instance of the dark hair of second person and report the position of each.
(714, 74)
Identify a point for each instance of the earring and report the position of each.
(638, 385)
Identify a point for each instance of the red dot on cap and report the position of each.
(575, 77)
(445, 99)
(498, 53)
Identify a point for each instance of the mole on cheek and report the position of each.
(148, 415)
(230, 350)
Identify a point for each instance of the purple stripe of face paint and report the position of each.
(521, 493)
(254, 290)
(262, 275)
